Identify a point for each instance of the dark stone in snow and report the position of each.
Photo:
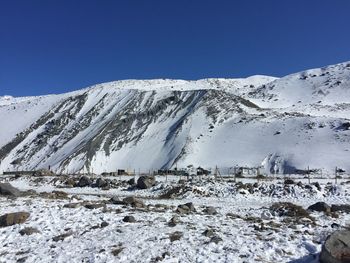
(186, 208)
(134, 202)
(8, 189)
(215, 239)
(131, 181)
(340, 208)
(210, 210)
(94, 206)
(175, 236)
(289, 181)
(129, 219)
(174, 221)
(29, 231)
(208, 233)
(104, 224)
(101, 183)
(62, 237)
(320, 207)
(145, 182)
(84, 181)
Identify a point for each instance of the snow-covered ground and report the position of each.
(244, 227)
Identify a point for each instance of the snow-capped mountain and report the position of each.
(286, 124)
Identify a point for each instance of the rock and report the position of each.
(43, 172)
(289, 209)
(101, 183)
(134, 202)
(174, 221)
(129, 219)
(59, 195)
(340, 208)
(289, 181)
(177, 235)
(210, 210)
(317, 185)
(73, 205)
(62, 237)
(116, 201)
(186, 208)
(69, 182)
(29, 231)
(215, 239)
(131, 181)
(9, 190)
(116, 251)
(208, 233)
(335, 225)
(84, 181)
(336, 248)
(145, 182)
(104, 224)
(94, 206)
(320, 207)
(300, 184)
(13, 218)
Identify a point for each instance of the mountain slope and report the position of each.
(287, 124)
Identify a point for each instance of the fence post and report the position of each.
(335, 175)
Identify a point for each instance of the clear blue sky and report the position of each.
(49, 46)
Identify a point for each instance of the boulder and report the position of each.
(84, 181)
(317, 185)
(101, 183)
(210, 210)
(336, 248)
(185, 208)
(174, 221)
(104, 224)
(340, 208)
(62, 236)
(320, 207)
(177, 235)
(134, 202)
(289, 181)
(145, 182)
(73, 205)
(215, 239)
(289, 210)
(94, 206)
(59, 195)
(116, 251)
(9, 190)
(129, 219)
(13, 218)
(131, 181)
(69, 182)
(29, 231)
(208, 233)
(116, 201)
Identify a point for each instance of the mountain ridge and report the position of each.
(284, 124)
